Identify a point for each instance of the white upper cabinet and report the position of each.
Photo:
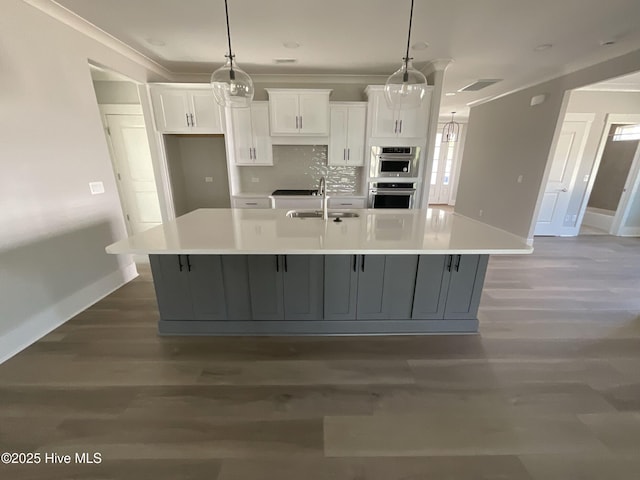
(248, 135)
(397, 123)
(186, 109)
(299, 112)
(346, 141)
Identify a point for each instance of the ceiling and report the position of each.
(627, 83)
(485, 39)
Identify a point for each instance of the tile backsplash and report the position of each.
(300, 167)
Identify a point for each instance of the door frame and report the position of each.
(633, 179)
(455, 164)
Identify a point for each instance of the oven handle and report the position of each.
(392, 192)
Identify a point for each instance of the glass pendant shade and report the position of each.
(451, 131)
(406, 87)
(232, 87)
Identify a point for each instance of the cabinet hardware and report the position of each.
(277, 263)
(348, 154)
(188, 264)
(344, 154)
(251, 203)
(187, 115)
(193, 123)
(400, 131)
(285, 264)
(362, 266)
(255, 157)
(450, 262)
(354, 263)
(458, 263)
(297, 122)
(346, 204)
(180, 262)
(300, 122)
(395, 129)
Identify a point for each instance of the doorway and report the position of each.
(444, 173)
(128, 144)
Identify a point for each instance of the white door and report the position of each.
(357, 120)
(337, 152)
(553, 210)
(283, 108)
(207, 115)
(314, 114)
(134, 171)
(442, 170)
(241, 135)
(171, 110)
(262, 148)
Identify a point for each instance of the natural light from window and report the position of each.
(626, 132)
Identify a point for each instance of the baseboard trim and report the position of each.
(39, 325)
(596, 219)
(630, 232)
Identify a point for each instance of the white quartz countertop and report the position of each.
(270, 231)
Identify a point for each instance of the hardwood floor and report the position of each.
(549, 390)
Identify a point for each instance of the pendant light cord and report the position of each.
(405, 77)
(232, 74)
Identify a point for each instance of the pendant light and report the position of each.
(406, 87)
(451, 130)
(232, 87)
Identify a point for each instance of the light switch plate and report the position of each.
(208, 179)
(96, 188)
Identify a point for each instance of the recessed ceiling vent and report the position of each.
(285, 60)
(480, 84)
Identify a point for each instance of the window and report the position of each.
(626, 132)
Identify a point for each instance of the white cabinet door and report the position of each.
(284, 113)
(314, 114)
(384, 122)
(241, 135)
(170, 109)
(413, 123)
(262, 148)
(207, 114)
(355, 135)
(337, 152)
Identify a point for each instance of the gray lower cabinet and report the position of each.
(340, 286)
(189, 287)
(449, 286)
(235, 275)
(265, 287)
(303, 286)
(385, 286)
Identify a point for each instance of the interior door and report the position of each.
(444, 159)
(551, 219)
(134, 172)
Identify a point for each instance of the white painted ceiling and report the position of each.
(485, 38)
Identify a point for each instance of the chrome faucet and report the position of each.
(322, 191)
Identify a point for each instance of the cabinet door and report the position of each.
(314, 114)
(207, 114)
(265, 287)
(241, 135)
(355, 135)
(385, 286)
(170, 110)
(235, 274)
(465, 286)
(206, 286)
(430, 293)
(303, 293)
(413, 122)
(340, 286)
(384, 120)
(171, 282)
(283, 113)
(262, 149)
(337, 152)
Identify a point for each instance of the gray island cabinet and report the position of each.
(318, 294)
(261, 272)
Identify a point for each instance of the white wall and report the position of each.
(109, 92)
(53, 232)
(507, 137)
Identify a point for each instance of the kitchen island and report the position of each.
(256, 272)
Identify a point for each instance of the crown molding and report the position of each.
(67, 17)
(437, 65)
(320, 78)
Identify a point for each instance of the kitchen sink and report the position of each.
(318, 214)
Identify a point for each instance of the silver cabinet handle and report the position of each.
(300, 122)
(400, 131)
(251, 203)
(395, 129)
(344, 154)
(297, 122)
(348, 154)
(187, 115)
(255, 156)
(192, 122)
(250, 154)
